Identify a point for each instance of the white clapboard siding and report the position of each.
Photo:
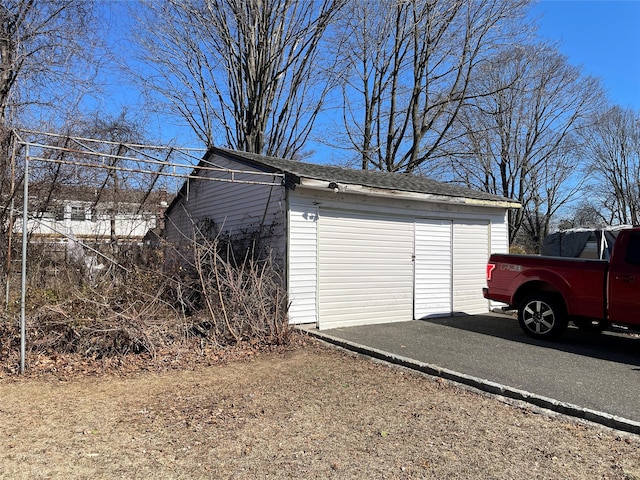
(303, 263)
(433, 269)
(365, 269)
(470, 253)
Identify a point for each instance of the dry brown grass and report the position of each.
(306, 411)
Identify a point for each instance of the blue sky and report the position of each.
(603, 36)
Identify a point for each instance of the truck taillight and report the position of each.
(490, 268)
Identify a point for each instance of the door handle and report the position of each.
(626, 278)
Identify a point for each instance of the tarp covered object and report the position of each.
(581, 242)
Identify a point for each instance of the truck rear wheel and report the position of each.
(542, 315)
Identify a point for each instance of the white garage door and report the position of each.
(470, 254)
(365, 269)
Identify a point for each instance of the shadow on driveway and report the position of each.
(610, 346)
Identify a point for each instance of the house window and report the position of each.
(60, 213)
(78, 213)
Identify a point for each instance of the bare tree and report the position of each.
(246, 73)
(69, 165)
(46, 48)
(520, 142)
(407, 69)
(42, 45)
(585, 215)
(612, 147)
(552, 185)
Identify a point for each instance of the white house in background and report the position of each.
(91, 214)
(358, 247)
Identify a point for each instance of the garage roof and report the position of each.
(370, 179)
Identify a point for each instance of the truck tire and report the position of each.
(542, 315)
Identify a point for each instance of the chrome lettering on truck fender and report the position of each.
(511, 267)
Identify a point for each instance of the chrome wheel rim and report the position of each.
(538, 317)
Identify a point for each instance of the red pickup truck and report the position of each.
(548, 292)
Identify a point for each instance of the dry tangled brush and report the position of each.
(149, 299)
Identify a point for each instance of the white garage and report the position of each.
(360, 247)
(375, 268)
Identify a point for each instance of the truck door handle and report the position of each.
(626, 278)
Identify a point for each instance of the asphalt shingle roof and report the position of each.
(369, 178)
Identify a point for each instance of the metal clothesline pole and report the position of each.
(108, 142)
(23, 289)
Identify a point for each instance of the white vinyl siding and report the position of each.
(470, 254)
(236, 209)
(365, 269)
(303, 263)
(433, 269)
(500, 234)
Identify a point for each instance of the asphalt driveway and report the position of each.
(596, 373)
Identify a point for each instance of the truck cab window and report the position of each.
(632, 256)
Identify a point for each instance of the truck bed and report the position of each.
(581, 281)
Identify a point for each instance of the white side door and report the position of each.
(433, 268)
